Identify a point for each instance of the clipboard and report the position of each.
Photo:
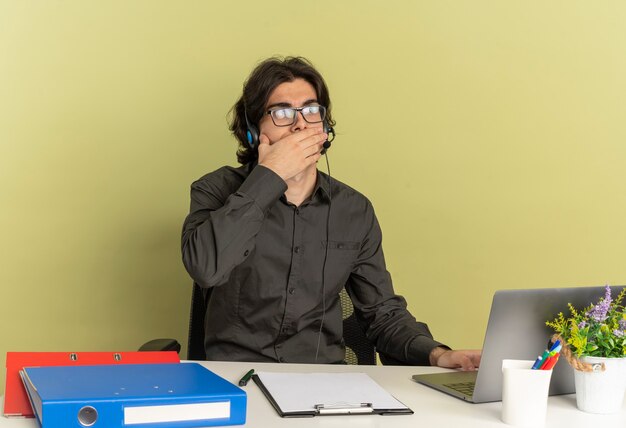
(300, 395)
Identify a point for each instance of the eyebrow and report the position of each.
(283, 104)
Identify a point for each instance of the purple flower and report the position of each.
(582, 324)
(618, 333)
(622, 324)
(599, 312)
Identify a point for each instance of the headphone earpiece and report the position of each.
(252, 133)
(253, 136)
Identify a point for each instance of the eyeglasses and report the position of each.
(287, 116)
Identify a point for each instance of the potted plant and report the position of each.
(594, 341)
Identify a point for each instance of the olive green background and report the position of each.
(489, 136)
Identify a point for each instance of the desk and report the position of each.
(432, 408)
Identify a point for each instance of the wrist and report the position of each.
(435, 354)
(274, 169)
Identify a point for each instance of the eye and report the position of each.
(311, 110)
(289, 112)
(279, 114)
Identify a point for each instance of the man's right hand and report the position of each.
(293, 154)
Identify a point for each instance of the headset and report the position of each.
(252, 134)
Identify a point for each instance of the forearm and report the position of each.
(403, 338)
(214, 247)
(218, 236)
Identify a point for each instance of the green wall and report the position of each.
(488, 134)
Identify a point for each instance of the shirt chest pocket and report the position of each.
(343, 246)
(342, 254)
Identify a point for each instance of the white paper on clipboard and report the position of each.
(302, 392)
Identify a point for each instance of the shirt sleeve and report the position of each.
(383, 314)
(219, 232)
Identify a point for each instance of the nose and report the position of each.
(300, 123)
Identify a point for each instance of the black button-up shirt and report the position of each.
(264, 259)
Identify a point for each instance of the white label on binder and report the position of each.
(176, 412)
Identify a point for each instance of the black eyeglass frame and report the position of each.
(298, 110)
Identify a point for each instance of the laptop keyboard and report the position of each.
(466, 388)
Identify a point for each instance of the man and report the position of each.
(277, 240)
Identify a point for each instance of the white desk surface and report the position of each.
(432, 408)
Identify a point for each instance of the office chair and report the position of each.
(358, 349)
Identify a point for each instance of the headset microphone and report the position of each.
(330, 131)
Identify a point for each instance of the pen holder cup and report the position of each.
(524, 393)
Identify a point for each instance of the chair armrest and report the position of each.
(161, 345)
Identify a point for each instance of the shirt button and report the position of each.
(281, 360)
(245, 254)
(292, 290)
(296, 250)
(297, 211)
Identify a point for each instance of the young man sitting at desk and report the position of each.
(277, 240)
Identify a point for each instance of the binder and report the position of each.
(16, 402)
(320, 394)
(133, 395)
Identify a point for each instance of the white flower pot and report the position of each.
(601, 391)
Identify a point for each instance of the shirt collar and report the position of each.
(322, 185)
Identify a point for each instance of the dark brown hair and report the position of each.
(257, 90)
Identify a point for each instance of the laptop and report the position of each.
(516, 330)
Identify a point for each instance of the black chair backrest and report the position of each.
(358, 349)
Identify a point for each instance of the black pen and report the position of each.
(244, 380)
